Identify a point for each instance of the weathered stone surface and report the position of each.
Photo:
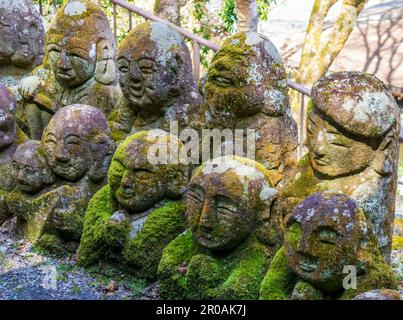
(79, 66)
(72, 158)
(246, 88)
(221, 255)
(325, 233)
(358, 156)
(140, 211)
(156, 80)
(10, 137)
(22, 39)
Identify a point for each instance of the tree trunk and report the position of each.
(169, 10)
(247, 15)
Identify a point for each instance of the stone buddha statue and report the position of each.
(353, 147)
(157, 83)
(222, 254)
(79, 66)
(10, 137)
(140, 210)
(329, 252)
(246, 88)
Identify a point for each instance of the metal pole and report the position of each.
(301, 127)
(196, 60)
(114, 22)
(40, 7)
(130, 20)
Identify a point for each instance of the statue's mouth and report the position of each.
(65, 75)
(126, 194)
(136, 91)
(308, 265)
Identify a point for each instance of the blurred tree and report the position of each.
(169, 10)
(247, 15)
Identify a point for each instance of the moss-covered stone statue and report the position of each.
(78, 149)
(353, 145)
(80, 66)
(378, 294)
(10, 137)
(156, 80)
(222, 255)
(34, 178)
(22, 39)
(330, 252)
(246, 88)
(140, 211)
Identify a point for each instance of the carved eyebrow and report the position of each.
(73, 135)
(50, 135)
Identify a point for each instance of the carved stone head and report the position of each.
(21, 34)
(80, 45)
(136, 180)
(30, 168)
(155, 67)
(246, 77)
(353, 123)
(8, 125)
(226, 199)
(324, 233)
(77, 142)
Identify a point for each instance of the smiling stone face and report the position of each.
(224, 200)
(7, 118)
(30, 168)
(246, 77)
(21, 34)
(135, 182)
(75, 140)
(323, 234)
(153, 60)
(73, 42)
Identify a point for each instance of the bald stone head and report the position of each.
(354, 118)
(21, 34)
(77, 142)
(246, 77)
(155, 67)
(225, 199)
(80, 45)
(137, 182)
(323, 234)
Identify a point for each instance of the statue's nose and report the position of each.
(61, 154)
(64, 62)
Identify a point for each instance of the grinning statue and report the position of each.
(353, 146)
(22, 40)
(157, 83)
(79, 65)
(222, 255)
(246, 88)
(140, 211)
(10, 137)
(327, 237)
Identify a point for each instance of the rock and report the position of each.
(378, 294)
(112, 286)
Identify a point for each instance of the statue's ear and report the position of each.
(102, 149)
(383, 162)
(106, 69)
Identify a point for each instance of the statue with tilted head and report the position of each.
(80, 66)
(223, 254)
(326, 235)
(157, 83)
(73, 158)
(140, 210)
(353, 146)
(246, 88)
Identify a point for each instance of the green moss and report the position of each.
(187, 271)
(279, 280)
(161, 227)
(397, 243)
